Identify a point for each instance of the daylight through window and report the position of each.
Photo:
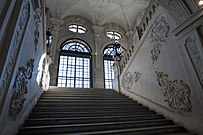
(77, 28)
(74, 65)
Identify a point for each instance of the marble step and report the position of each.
(93, 126)
(86, 114)
(90, 119)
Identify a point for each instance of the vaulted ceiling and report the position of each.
(125, 13)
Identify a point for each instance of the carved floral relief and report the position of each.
(177, 93)
(158, 36)
(196, 56)
(19, 89)
(129, 78)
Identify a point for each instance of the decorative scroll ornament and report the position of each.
(129, 78)
(196, 56)
(158, 36)
(13, 51)
(37, 18)
(177, 93)
(137, 76)
(20, 89)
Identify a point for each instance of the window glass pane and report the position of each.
(77, 29)
(81, 31)
(73, 30)
(108, 73)
(113, 35)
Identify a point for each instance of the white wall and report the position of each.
(172, 83)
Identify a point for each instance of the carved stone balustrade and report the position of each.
(149, 12)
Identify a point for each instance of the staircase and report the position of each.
(62, 111)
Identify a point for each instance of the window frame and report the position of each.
(76, 54)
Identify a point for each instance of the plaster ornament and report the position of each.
(177, 93)
(129, 79)
(19, 89)
(159, 36)
(14, 50)
(196, 56)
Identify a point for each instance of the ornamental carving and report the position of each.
(37, 18)
(177, 93)
(196, 56)
(129, 78)
(137, 76)
(13, 51)
(19, 89)
(177, 11)
(158, 36)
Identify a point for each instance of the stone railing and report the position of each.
(140, 29)
(149, 12)
(126, 57)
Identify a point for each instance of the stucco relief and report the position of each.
(129, 78)
(13, 51)
(137, 76)
(177, 93)
(37, 18)
(19, 89)
(159, 36)
(196, 56)
(177, 11)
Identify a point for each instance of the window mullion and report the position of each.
(67, 70)
(83, 79)
(75, 71)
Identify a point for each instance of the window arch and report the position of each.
(109, 52)
(74, 69)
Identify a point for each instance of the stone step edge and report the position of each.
(95, 124)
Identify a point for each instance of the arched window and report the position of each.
(109, 52)
(74, 68)
(77, 28)
(113, 35)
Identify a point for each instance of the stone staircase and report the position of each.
(63, 111)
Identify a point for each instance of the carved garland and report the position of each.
(158, 36)
(177, 93)
(13, 52)
(20, 89)
(196, 56)
(129, 78)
